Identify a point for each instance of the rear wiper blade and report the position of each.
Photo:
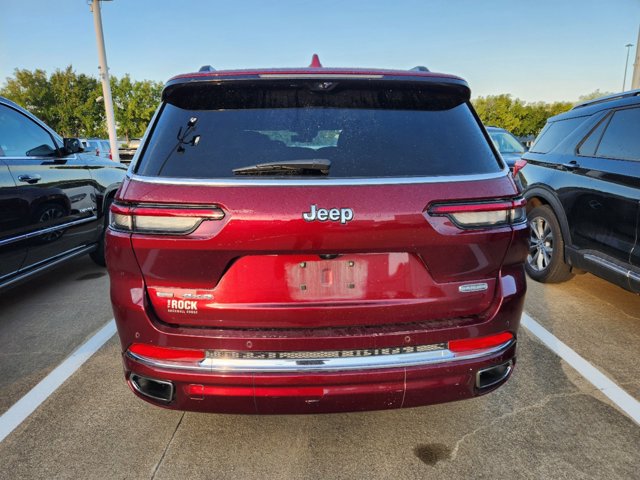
(305, 166)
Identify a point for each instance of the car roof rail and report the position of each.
(607, 98)
(207, 68)
(420, 68)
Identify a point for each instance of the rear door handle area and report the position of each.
(572, 165)
(30, 178)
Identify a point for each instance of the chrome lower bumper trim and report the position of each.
(315, 365)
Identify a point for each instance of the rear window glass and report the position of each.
(554, 133)
(589, 145)
(385, 139)
(505, 142)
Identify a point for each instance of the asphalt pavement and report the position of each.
(546, 422)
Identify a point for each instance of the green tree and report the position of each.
(518, 117)
(499, 111)
(70, 103)
(74, 111)
(593, 95)
(134, 104)
(30, 90)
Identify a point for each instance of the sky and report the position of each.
(534, 50)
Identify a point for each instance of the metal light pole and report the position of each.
(104, 76)
(626, 64)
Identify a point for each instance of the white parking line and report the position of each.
(49, 384)
(617, 395)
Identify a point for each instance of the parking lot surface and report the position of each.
(546, 422)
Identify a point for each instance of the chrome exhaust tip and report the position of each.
(488, 377)
(160, 390)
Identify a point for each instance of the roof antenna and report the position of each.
(315, 61)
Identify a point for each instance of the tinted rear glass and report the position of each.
(376, 133)
(589, 145)
(554, 133)
(622, 137)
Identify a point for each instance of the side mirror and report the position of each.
(72, 145)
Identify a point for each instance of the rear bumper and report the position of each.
(323, 392)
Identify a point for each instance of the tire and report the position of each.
(545, 262)
(98, 254)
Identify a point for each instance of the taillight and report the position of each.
(480, 343)
(482, 214)
(164, 353)
(161, 219)
(519, 165)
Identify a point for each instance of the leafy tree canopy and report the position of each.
(520, 118)
(72, 104)
(593, 95)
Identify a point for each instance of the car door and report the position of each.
(57, 193)
(13, 248)
(604, 213)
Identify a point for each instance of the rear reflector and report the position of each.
(482, 214)
(161, 219)
(200, 391)
(164, 353)
(479, 343)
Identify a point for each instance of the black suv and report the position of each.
(582, 183)
(52, 197)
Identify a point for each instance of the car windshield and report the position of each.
(506, 143)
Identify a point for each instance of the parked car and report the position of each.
(53, 198)
(96, 146)
(316, 240)
(507, 144)
(128, 149)
(582, 184)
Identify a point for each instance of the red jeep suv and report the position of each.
(316, 240)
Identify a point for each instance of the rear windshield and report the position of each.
(356, 134)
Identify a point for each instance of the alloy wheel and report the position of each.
(540, 244)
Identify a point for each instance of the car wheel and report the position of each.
(545, 262)
(98, 254)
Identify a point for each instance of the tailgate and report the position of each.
(263, 265)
